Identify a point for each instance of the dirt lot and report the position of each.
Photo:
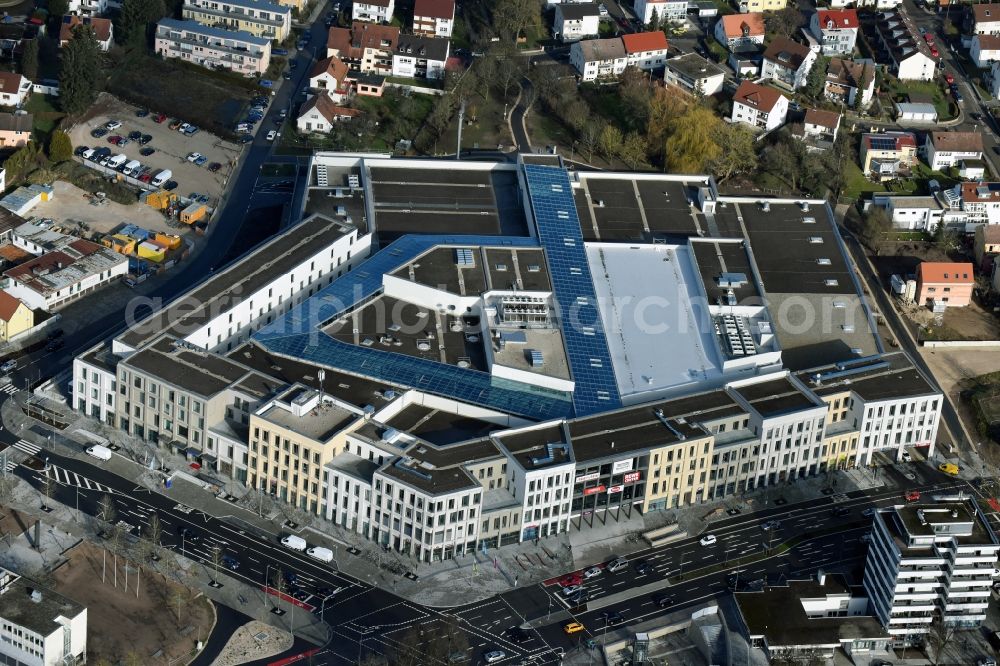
(70, 205)
(954, 370)
(121, 627)
(969, 323)
(172, 147)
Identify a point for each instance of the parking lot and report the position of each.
(170, 147)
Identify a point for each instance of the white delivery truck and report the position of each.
(100, 452)
(294, 542)
(161, 178)
(321, 554)
(131, 167)
(117, 161)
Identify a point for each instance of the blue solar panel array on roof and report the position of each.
(297, 335)
(551, 196)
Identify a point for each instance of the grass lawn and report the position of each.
(420, 83)
(545, 130)
(45, 116)
(485, 126)
(903, 91)
(856, 184)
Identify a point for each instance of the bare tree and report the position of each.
(939, 637)
(278, 585)
(154, 532)
(107, 513)
(48, 489)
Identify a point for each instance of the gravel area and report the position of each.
(254, 640)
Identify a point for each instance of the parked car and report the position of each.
(912, 496)
(135, 136)
(98, 133)
(147, 151)
(493, 656)
(617, 564)
(950, 469)
(80, 150)
(170, 185)
(246, 138)
(159, 118)
(145, 138)
(271, 135)
(7, 366)
(571, 590)
(191, 130)
(182, 127)
(592, 572)
(517, 634)
(114, 139)
(571, 579)
(112, 125)
(949, 79)
(201, 160)
(55, 345)
(146, 177)
(193, 156)
(142, 113)
(642, 567)
(214, 166)
(708, 540)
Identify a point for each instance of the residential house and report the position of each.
(667, 11)
(598, 58)
(433, 18)
(875, 4)
(694, 74)
(214, 48)
(985, 19)
(759, 106)
(844, 79)
(909, 56)
(736, 29)
(372, 11)
(912, 213)
(916, 112)
(746, 59)
(89, 7)
(986, 246)
(836, 30)
(15, 129)
(944, 284)
(757, 6)
(371, 85)
(365, 46)
(888, 154)
(945, 149)
(15, 317)
(985, 50)
(329, 76)
(102, 28)
(14, 89)
(576, 20)
(420, 57)
(979, 201)
(320, 113)
(820, 126)
(787, 62)
(646, 50)
(258, 17)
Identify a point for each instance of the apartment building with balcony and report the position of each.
(930, 561)
(433, 18)
(695, 74)
(366, 47)
(214, 48)
(596, 59)
(257, 17)
(373, 11)
(761, 107)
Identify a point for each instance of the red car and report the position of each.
(146, 177)
(949, 79)
(114, 138)
(929, 38)
(159, 118)
(912, 496)
(571, 579)
(934, 52)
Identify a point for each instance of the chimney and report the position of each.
(36, 596)
(821, 577)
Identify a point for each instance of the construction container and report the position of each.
(120, 243)
(137, 266)
(160, 200)
(135, 232)
(169, 241)
(151, 251)
(193, 213)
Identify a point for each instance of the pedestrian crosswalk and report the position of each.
(27, 447)
(71, 478)
(9, 389)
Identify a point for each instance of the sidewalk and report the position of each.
(468, 578)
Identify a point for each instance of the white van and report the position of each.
(294, 542)
(117, 161)
(87, 154)
(99, 452)
(161, 178)
(131, 167)
(321, 554)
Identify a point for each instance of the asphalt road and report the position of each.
(364, 618)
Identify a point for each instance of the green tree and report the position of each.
(654, 21)
(610, 141)
(816, 80)
(134, 20)
(29, 59)
(60, 147)
(633, 150)
(79, 71)
(691, 144)
(58, 7)
(739, 155)
(21, 163)
(875, 223)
